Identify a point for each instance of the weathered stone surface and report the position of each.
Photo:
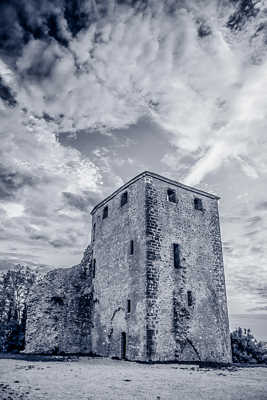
(183, 332)
(162, 325)
(135, 294)
(120, 276)
(59, 311)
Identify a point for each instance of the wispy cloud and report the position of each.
(197, 69)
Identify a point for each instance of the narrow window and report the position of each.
(198, 204)
(94, 267)
(105, 212)
(128, 306)
(149, 342)
(189, 298)
(171, 196)
(131, 247)
(123, 346)
(93, 232)
(124, 198)
(176, 255)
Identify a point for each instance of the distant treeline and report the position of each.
(14, 289)
(246, 349)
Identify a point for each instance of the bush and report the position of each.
(245, 348)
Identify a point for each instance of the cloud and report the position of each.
(12, 181)
(244, 255)
(6, 94)
(262, 206)
(36, 172)
(197, 69)
(82, 202)
(126, 62)
(254, 221)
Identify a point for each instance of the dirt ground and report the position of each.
(100, 378)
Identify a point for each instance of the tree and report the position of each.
(14, 289)
(245, 348)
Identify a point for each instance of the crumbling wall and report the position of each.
(59, 310)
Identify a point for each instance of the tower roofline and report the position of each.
(159, 177)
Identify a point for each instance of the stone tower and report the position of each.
(158, 275)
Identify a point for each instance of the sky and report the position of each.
(94, 92)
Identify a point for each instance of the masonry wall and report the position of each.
(120, 276)
(59, 311)
(174, 329)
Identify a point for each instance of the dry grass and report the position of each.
(88, 379)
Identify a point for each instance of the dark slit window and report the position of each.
(149, 342)
(128, 306)
(171, 195)
(94, 267)
(176, 255)
(189, 298)
(124, 198)
(93, 232)
(123, 345)
(105, 212)
(198, 204)
(131, 247)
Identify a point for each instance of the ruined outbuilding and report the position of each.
(151, 286)
(59, 311)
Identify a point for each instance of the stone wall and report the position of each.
(132, 301)
(175, 329)
(59, 311)
(120, 276)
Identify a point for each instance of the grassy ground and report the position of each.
(99, 378)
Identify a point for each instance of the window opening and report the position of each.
(198, 204)
(124, 198)
(176, 255)
(131, 247)
(189, 298)
(94, 267)
(105, 212)
(93, 232)
(171, 195)
(128, 306)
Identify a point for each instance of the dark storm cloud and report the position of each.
(12, 181)
(49, 26)
(60, 20)
(7, 94)
(244, 10)
(23, 20)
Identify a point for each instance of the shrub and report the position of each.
(245, 348)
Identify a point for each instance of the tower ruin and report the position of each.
(158, 274)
